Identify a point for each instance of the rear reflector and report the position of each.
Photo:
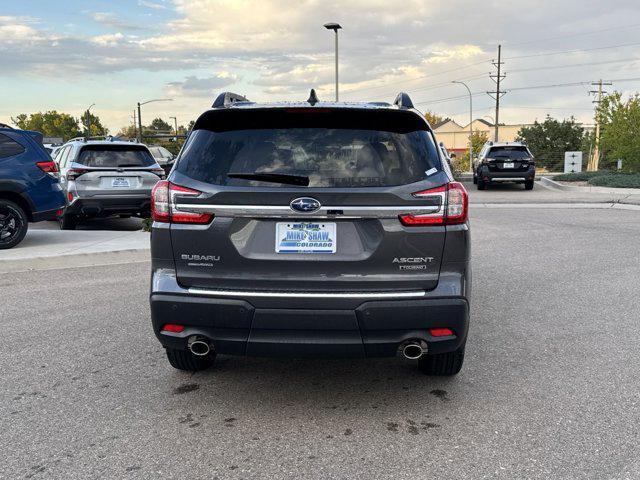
(173, 328)
(440, 332)
(165, 209)
(454, 206)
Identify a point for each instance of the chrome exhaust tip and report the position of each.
(198, 346)
(414, 350)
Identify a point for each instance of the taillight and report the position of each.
(159, 172)
(48, 167)
(165, 209)
(74, 173)
(454, 207)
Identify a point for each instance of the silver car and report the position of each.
(106, 177)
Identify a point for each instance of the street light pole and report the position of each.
(140, 116)
(335, 27)
(470, 124)
(175, 121)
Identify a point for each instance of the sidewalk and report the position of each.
(45, 249)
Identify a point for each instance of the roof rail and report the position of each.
(403, 100)
(4, 125)
(313, 98)
(226, 99)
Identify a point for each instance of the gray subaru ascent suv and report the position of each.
(311, 229)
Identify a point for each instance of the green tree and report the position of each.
(97, 129)
(620, 131)
(50, 124)
(550, 139)
(432, 118)
(159, 126)
(478, 139)
(129, 131)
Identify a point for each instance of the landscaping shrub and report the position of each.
(579, 176)
(616, 180)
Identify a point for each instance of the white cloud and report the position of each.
(152, 5)
(201, 87)
(110, 19)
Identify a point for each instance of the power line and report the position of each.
(581, 34)
(577, 50)
(418, 78)
(574, 65)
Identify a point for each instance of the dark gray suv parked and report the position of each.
(307, 230)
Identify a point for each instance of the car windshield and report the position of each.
(514, 152)
(115, 156)
(328, 157)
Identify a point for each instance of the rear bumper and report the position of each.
(507, 176)
(46, 215)
(299, 327)
(104, 206)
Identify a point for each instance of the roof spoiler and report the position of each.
(226, 99)
(403, 101)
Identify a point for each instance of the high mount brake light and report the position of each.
(164, 207)
(454, 207)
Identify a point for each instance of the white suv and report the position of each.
(105, 177)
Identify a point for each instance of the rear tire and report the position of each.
(482, 184)
(528, 185)
(442, 364)
(185, 360)
(67, 221)
(13, 224)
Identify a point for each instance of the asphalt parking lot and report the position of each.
(549, 388)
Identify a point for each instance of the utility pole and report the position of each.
(497, 78)
(594, 159)
(135, 126)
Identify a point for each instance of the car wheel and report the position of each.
(13, 224)
(185, 360)
(442, 364)
(528, 185)
(67, 221)
(482, 184)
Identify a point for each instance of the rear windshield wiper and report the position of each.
(273, 178)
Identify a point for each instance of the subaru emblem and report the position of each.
(305, 205)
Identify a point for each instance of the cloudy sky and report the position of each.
(66, 55)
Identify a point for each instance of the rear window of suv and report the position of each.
(331, 147)
(115, 156)
(515, 152)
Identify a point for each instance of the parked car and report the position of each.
(106, 177)
(504, 162)
(311, 230)
(29, 187)
(163, 156)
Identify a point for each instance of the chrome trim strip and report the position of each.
(279, 211)
(507, 179)
(250, 294)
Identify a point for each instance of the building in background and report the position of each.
(456, 137)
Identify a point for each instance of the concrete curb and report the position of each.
(75, 260)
